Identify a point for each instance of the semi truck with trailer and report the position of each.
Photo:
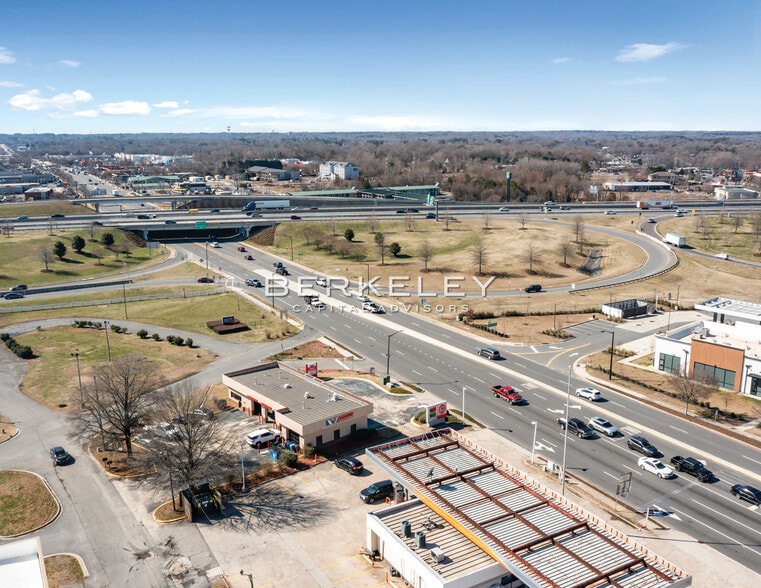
(665, 204)
(262, 204)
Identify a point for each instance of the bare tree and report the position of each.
(91, 229)
(334, 227)
(7, 226)
(380, 244)
(486, 218)
(409, 221)
(565, 248)
(479, 254)
(522, 220)
(196, 448)
(46, 256)
(737, 221)
(578, 228)
(531, 255)
(690, 385)
(372, 222)
(425, 252)
(447, 218)
(755, 223)
(118, 397)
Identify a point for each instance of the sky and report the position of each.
(85, 67)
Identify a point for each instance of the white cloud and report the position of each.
(6, 56)
(128, 107)
(639, 81)
(7, 84)
(178, 112)
(647, 51)
(166, 104)
(91, 113)
(32, 101)
(559, 60)
(69, 63)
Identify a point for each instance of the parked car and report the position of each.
(12, 295)
(655, 466)
(254, 282)
(59, 455)
(748, 493)
(205, 280)
(533, 288)
(248, 257)
(603, 426)
(589, 393)
(19, 288)
(242, 249)
(202, 413)
(577, 427)
(489, 353)
(350, 464)
(377, 491)
(262, 437)
(643, 446)
(692, 466)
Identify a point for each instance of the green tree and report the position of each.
(395, 249)
(59, 249)
(107, 239)
(349, 235)
(78, 243)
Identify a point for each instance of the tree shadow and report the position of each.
(72, 261)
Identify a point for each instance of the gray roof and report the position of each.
(544, 539)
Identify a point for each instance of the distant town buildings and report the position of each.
(338, 170)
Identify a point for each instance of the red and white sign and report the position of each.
(311, 369)
(441, 410)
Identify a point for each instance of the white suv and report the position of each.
(262, 437)
(590, 394)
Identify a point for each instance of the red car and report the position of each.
(241, 248)
(248, 257)
(508, 393)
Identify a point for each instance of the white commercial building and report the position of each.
(339, 170)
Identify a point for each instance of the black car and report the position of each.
(643, 446)
(295, 217)
(489, 353)
(350, 464)
(692, 466)
(253, 282)
(577, 427)
(12, 295)
(378, 491)
(59, 455)
(18, 287)
(57, 216)
(533, 288)
(745, 492)
(282, 271)
(205, 280)
(170, 222)
(214, 211)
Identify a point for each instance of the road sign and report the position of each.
(200, 224)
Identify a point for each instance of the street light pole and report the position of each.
(565, 437)
(207, 252)
(79, 377)
(291, 237)
(533, 445)
(242, 468)
(108, 345)
(463, 405)
(612, 344)
(368, 277)
(388, 352)
(124, 298)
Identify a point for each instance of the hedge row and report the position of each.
(23, 351)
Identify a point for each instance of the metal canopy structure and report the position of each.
(538, 535)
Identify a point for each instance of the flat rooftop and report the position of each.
(537, 534)
(747, 311)
(303, 398)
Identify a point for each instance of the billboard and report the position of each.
(436, 414)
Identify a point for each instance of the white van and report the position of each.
(723, 256)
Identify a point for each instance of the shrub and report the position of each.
(4, 336)
(116, 329)
(22, 351)
(349, 235)
(156, 337)
(142, 333)
(288, 458)
(308, 451)
(189, 342)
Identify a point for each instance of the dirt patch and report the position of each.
(25, 503)
(115, 461)
(309, 350)
(63, 571)
(8, 429)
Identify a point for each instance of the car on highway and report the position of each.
(319, 305)
(19, 288)
(723, 256)
(589, 393)
(652, 220)
(295, 217)
(363, 298)
(215, 245)
(57, 216)
(254, 282)
(604, 426)
(503, 209)
(549, 203)
(170, 222)
(321, 282)
(430, 215)
(248, 257)
(679, 213)
(489, 353)
(412, 210)
(22, 217)
(349, 464)
(692, 466)
(372, 307)
(655, 466)
(261, 437)
(577, 427)
(242, 249)
(205, 280)
(59, 455)
(146, 216)
(401, 211)
(12, 295)
(564, 208)
(610, 212)
(254, 214)
(282, 271)
(747, 493)
(508, 393)
(214, 211)
(643, 446)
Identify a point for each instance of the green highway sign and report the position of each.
(490, 325)
(200, 224)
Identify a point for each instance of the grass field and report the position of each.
(12, 210)
(25, 503)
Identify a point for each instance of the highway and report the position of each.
(444, 361)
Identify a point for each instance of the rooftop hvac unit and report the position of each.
(437, 555)
(406, 529)
(286, 386)
(420, 539)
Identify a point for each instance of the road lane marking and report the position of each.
(332, 327)
(678, 429)
(713, 529)
(453, 392)
(372, 338)
(616, 403)
(611, 475)
(540, 396)
(416, 372)
(479, 379)
(499, 416)
(751, 459)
